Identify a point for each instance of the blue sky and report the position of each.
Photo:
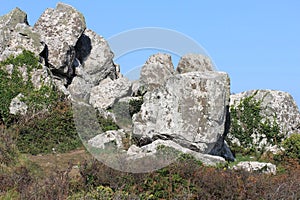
(256, 42)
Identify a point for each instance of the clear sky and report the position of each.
(256, 42)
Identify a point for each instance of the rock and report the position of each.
(96, 57)
(17, 106)
(190, 109)
(157, 69)
(80, 89)
(194, 62)
(136, 152)
(23, 37)
(108, 92)
(8, 23)
(60, 29)
(253, 166)
(278, 104)
(109, 137)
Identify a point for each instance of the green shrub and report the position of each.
(107, 124)
(54, 129)
(135, 105)
(13, 84)
(246, 121)
(292, 146)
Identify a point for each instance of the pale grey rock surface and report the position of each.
(254, 166)
(157, 69)
(80, 89)
(22, 37)
(275, 104)
(135, 152)
(8, 23)
(17, 106)
(189, 109)
(96, 57)
(194, 62)
(113, 137)
(60, 29)
(108, 92)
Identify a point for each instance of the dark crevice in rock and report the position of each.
(221, 148)
(83, 48)
(44, 54)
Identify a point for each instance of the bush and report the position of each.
(250, 127)
(13, 84)
(54, 129)
(292, 147)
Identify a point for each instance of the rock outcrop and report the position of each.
(253, 166)
(16, 35)
(186, 109)
(190, 109)
(194, 63)
(17, 106)
(8, 23)
(108, 92)
(60, 29)
(275, 105)
(157, 69)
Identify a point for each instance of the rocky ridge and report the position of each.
(186, 109)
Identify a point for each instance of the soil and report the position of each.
(61, 161)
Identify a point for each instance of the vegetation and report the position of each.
(250, 127)
(50, 131)
(135, 106)
(292, 147)
(19, 81)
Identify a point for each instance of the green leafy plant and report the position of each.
(13, 83)
(250, 127)
(292, 147)
(54, 130)
(135, 105)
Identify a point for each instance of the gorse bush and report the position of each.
(292, 147)
(250, 127)
(51, 130)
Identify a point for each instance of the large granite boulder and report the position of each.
(254, 166)
(108, 92)
(157, 69)
(16, 35)
(8, 23)
(194, 62)
(96, 57)
(275, 105)
(190, 109)
(60, 29)
(95, 60)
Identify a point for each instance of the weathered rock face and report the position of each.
(16, 35)
(108, 92)
(8, 23)
(157, 69)
(253, 166)
(113, 138)
(135, 152)
(276, 105)
(189, 109)
(60, 29)
(94, 54)
(193, 63)
(17, 106)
